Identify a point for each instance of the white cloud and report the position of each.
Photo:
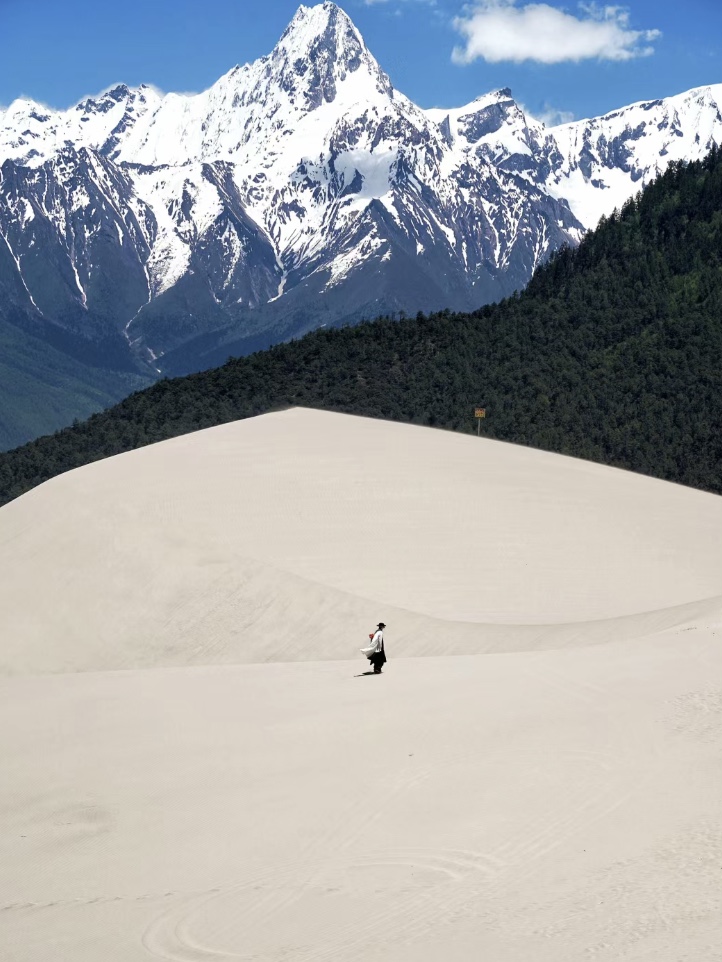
(552, 116)
(497, 30)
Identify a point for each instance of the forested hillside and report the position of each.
(613, 353)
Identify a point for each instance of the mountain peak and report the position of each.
(502, 96)
(318, 19)
(23, 106)
(322, 47)
(324, 25)
(503, 93)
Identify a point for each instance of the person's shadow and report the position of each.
(363, 673)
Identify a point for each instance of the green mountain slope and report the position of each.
(42, 387)
(613, 353)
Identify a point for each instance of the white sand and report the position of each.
(287, 537)
(556, 800)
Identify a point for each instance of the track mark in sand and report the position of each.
(167, 937)
(261, 897)
(670, 887)
(433, 886)
(697, 714)
(267, 893)
(509, 862)
(410, 896)
(337, 838)
(456, 864)
(78, 902)
(439, 885)
(405, 912)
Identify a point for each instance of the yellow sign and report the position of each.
(480, 412)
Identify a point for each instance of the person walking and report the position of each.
(375, 651)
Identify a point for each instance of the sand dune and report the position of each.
(555, 806)
(286, 537)
(556, 799)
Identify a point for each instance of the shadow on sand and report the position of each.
(363, 673)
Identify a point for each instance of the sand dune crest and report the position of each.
(283, 537)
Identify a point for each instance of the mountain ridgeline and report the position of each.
(145, 234)
(613, 353)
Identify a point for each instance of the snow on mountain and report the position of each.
(280, 107)
(598, 164)
(30, 133)
(493, 127)
(75, 224)
(304, 189)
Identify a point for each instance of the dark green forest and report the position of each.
(613, 353)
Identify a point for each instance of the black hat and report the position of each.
(381, 624)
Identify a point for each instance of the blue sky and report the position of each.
(560, 59)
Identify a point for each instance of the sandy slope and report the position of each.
(555, 801)
(288, 536)
(555, 806)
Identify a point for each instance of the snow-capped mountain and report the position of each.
(303, 189)
(594, 165)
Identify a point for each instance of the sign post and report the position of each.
(479, 413)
